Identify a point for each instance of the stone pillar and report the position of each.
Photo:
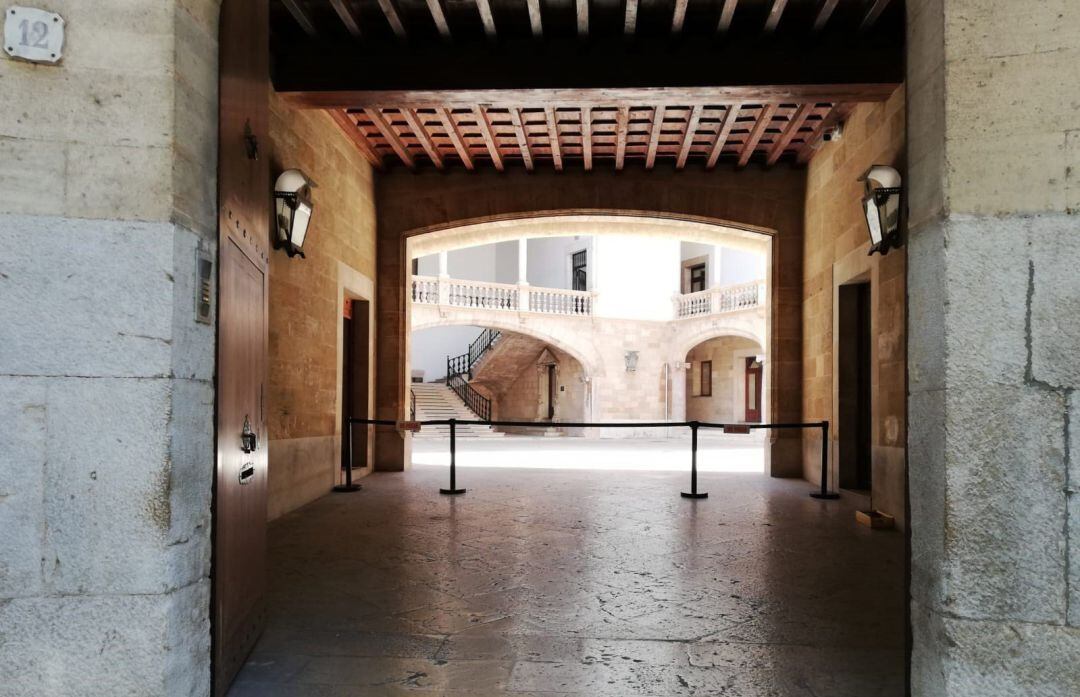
(444, 265)
(523, 275)
(107, 443)
(444, 276)
(994, 347)
(678, 391)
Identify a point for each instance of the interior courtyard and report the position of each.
(561, 347)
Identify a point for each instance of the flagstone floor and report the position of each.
(580, 582)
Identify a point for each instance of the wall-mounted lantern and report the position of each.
(631, 361)
(292, 201)
(881, 206)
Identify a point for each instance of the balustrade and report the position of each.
(744, 296)
(500, 296)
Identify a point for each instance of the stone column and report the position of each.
(678, 391)
(444, 276)
(523, 275)
(107, 442)
(994, 348)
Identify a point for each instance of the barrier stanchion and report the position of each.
(453, 462)
(824, 493)
(348, 485)
(693, 493)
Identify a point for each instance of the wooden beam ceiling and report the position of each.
(588, 136)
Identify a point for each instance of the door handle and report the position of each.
(247, 472)
(249, 440)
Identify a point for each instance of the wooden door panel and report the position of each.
(239, 565)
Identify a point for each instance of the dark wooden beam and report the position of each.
(654, 136)
(622, 125)
(873, 14)
(763, 121)
(582, 19)
(296, 9)
(688, 136)
(586, 136)
(452, 132)
(487, 18)
(391, 14)
(522, 138)
(553, 137)
(347, 16)
(489, 138)
(420, 131)
(348, 126)
(612, 71)
(789, 133)
(535, 20)
(439, 17)
(630, 20)
(775, 12)
(727, 13)
(391, 136)
(679, 16)
(722, 135)
(823, 15)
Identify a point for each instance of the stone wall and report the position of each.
(410, 203)
(836, 253)
(107, 188)
(994, 346)
(306, 304)
(727, 403)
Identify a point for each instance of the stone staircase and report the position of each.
(434, 400)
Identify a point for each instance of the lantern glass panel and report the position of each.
(873, 220)
(301, 219)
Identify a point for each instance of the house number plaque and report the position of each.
(33, 35)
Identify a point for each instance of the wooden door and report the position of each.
(239, 556)
(753, 390)
(551, 389)
(355, 382)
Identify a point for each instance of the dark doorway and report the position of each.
(697, 278)
(853, 365)
(753, 390)
(551, 391)
(354, 381)
(580, 270)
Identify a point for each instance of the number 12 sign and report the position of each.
(33, 35)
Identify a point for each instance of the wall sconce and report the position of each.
(631, 361)
(881, 206)
(292, 199)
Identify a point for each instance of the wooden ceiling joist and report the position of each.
(347, 16)
(679, 16)
(392, 17)
(727, 13)
(630, 18)
(775, 13)
(688, 136)
(487, 18)
(553, 138)
(792, 129)
(760, 126)
(452, 132)
(622, 129)
(296, 9)
(421, 134)
(872, 15)
(484, 125)
(823, 15)
(586, 137)
(392, 138)
(654, 136)
(439, 17)
(722, 135)
(535, 21)
(522, 138)
(582, 18)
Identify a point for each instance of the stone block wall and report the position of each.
(836, 253)
(107, 189)
(727, 402)
(993, 348)
(306, 304)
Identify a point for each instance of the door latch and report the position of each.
(249, 440)
(247, 472)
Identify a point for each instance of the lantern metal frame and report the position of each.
(882, 184)
(291, 191)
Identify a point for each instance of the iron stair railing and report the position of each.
(459, 370)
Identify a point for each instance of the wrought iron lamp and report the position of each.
(881, 206)
(292, 201)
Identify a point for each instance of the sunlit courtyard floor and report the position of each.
(571, 580)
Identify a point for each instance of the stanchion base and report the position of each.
(819, 495)
(347, 487)
(690, 495)
(451, 492)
